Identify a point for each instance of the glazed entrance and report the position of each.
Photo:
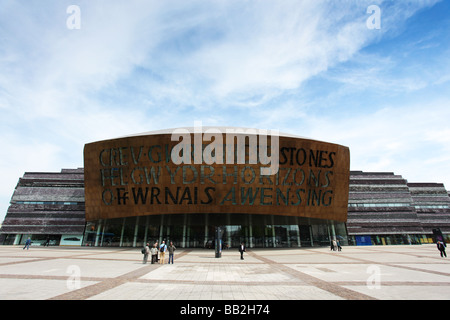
(198, 231)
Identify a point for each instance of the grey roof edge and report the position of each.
(218, 129)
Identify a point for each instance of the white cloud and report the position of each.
(243, 53)
(409, 140)
(140, 65)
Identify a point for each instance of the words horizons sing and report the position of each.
(147, 176)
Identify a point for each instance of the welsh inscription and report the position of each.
(145, 175)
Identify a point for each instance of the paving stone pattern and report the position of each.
(356, 273)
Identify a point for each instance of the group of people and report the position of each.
(158, 252)
(335, 244)
(28, 243)
(161, 250)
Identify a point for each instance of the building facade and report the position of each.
(383, 209)
(130, 192)
(137, 190)
(48, 207)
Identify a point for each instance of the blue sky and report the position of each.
(310, 68)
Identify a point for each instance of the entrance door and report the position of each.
(305, 236)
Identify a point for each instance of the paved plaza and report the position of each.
(355, 273)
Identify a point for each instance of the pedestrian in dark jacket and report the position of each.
(338, 245)
(441, 248)
(27, 244)
(171, 248)
(242, 250)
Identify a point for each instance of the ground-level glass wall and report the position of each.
(198, 231)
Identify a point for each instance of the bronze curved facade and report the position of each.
(136, 176)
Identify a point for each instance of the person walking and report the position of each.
(242, 250)
(47, 241)
(334, 245)
(146, 252)
(162, 252)
(171, 249)
(27, 244)
(154, 252)
(441, 248)
(157, 249)
(338, 245)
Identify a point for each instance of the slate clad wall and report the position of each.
(432, 204)
(381, 203)
(47, 203)
(385, 203)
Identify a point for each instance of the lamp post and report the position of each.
(218, 242)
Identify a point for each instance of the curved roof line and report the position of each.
(212, 129)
